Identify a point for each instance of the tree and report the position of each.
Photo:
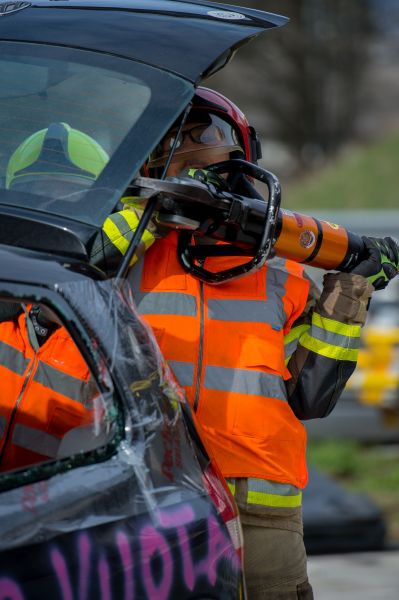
(305, 78)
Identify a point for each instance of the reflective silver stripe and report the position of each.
(62, 383)
(166, 303)
(269, 493)
(2, 425)
(335, 339)
(124, 228)
(256, 311)
(290, 348)
(244, 381)
(184, 371)
(247, 311)
(272, 487)
(266, 493)
(13, 359)
(276, 278)
(159, 303)
(35, 440)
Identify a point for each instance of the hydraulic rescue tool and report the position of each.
(245, 224)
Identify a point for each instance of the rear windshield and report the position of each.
(76, 126)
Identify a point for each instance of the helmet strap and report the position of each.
(256, 146)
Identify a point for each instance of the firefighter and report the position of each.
(256, 355)
(47, 388)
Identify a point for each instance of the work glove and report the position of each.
(382, 263)
(112, 242)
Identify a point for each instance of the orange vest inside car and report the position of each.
(44, 394)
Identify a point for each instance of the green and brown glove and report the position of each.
(382, 263)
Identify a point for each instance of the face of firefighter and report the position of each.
(197, 160)
(199, 145)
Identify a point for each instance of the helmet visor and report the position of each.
(215, 134)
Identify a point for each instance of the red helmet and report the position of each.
(214, 124)
(215, 103)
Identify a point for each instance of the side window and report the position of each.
(50, 406)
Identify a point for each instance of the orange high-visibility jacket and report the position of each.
(225, 344)
(44, 392)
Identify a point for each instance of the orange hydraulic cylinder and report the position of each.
(306, 239)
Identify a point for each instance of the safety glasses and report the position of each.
(195, 137)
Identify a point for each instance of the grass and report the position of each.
(363, 177)
(371, 469)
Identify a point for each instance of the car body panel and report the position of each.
(175, 44)
(187, 556)
(182, 37)
(119, 517)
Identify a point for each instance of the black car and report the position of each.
(127, 503)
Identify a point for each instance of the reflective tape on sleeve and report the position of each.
(334, 339)
(114, 234)
(120, 227)
(132, 222)
(333, 326)
(328, 350)
(291, 339)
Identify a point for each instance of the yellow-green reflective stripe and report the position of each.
(264, 499)
(133, 221)
(232, 487)
(291, 340)
(120, 227)
(336, 326)
(295, 333)
(115, 236)
(327, 350)
(334, 339)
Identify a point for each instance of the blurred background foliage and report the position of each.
(323, 93)
(371, 469)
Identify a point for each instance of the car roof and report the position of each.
(191, 39)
